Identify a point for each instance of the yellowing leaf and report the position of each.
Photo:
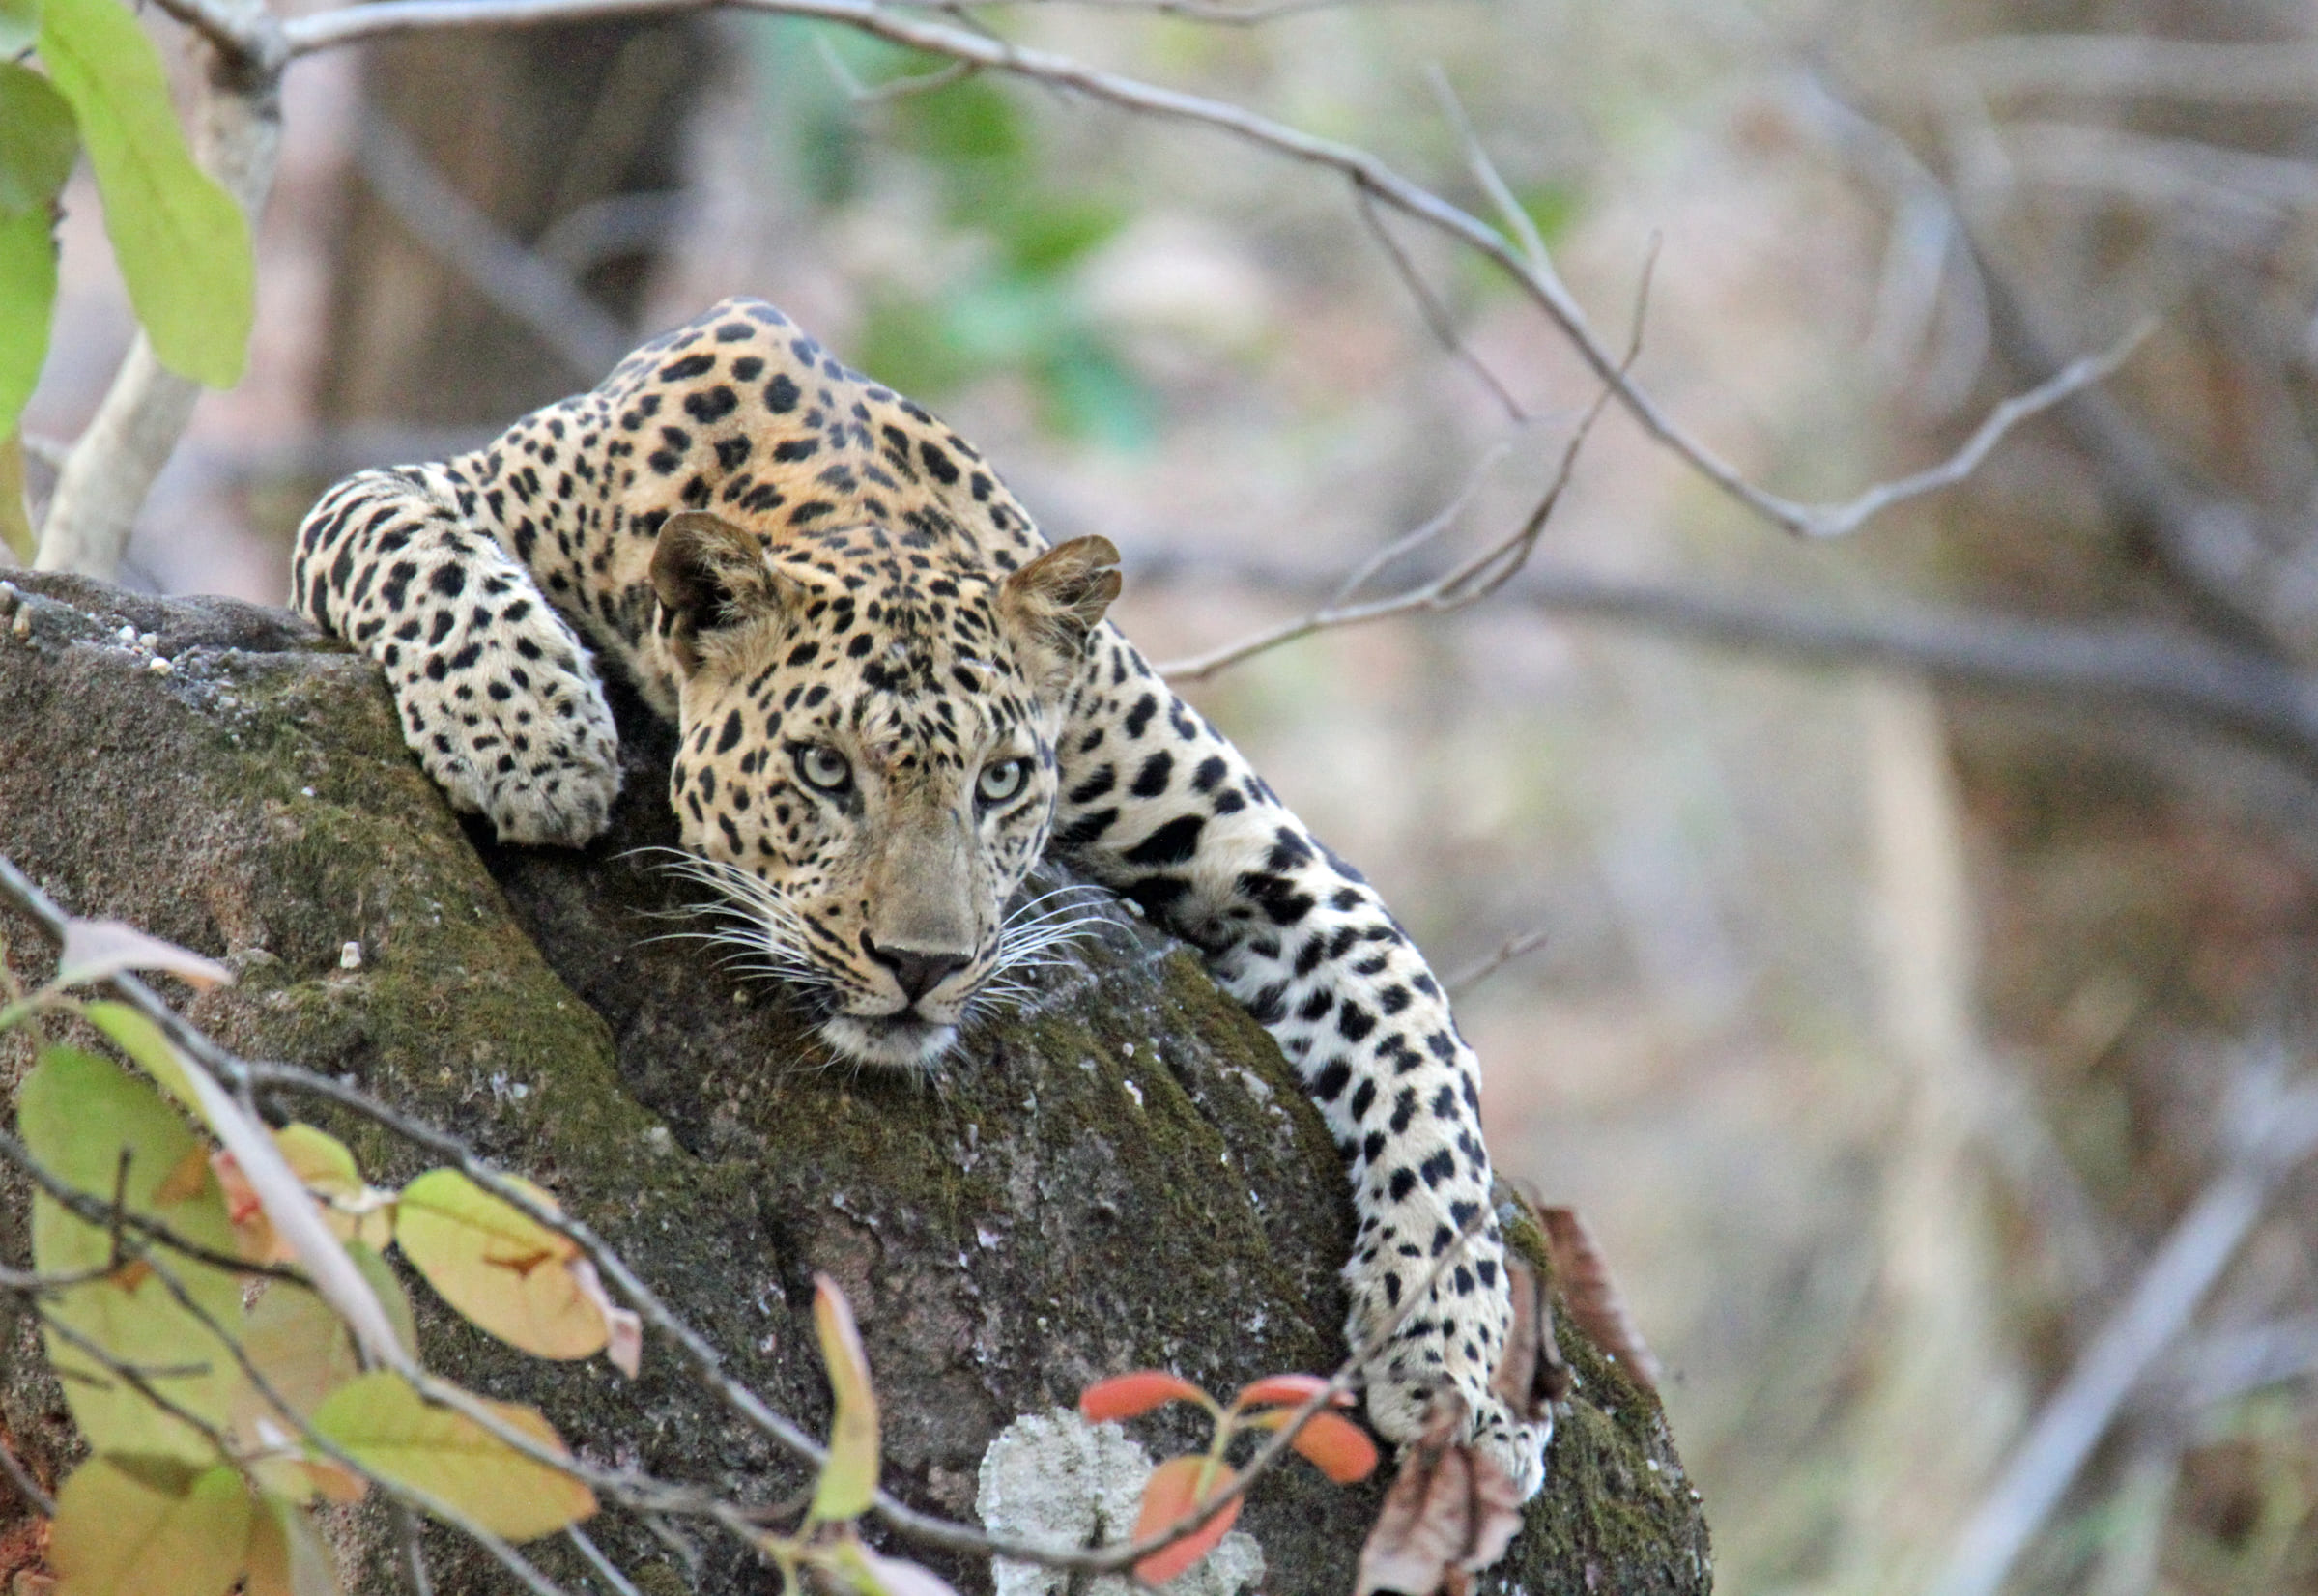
(181, 242)
(149, 1526)
(353, 1210)
(498, 1266)
(850, 1476)
(302, 1348)
(287, 1554)
(95, 1127)
(146, 1045)
(387, 1427)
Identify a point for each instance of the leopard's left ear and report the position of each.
(1056, 601)
(708, 574)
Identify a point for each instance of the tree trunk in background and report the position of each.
(529, 126)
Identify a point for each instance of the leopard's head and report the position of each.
(867, 765)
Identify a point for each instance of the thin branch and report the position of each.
(412, 1550)
(1510, 211)
(2176, 1280)
(515, 281)
(1437, 318)
(2084, 66)
(605, 1568)
(20, 1477)
(1469, 582)
(1837, 520)
(1369, 177)
(1481, 969)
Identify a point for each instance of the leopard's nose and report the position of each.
(916, 970)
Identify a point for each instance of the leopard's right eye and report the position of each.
(823, 767)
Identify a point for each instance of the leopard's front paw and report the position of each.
(1450, 1343)
(510, 721)
(1403, 1399)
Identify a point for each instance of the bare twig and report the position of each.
(2087, 66)
(605, 1568)
(1467, 582)
(2273, 1137)
(516, 281)
(412, 1550)
(1837, 520)
(1437, 318)
(1481, 969)
(20, 1478)
(1368, 176)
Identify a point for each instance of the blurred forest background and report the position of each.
(1910, 965)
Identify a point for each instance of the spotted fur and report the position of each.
(894, 700)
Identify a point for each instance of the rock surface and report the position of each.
(1120, 1173)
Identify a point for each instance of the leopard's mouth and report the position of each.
(903, 1041)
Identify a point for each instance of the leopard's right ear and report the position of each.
(708, 573)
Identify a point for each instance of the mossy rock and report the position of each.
(1120, 1173)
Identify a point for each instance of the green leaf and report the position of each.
(19, 25)
(498, 1266)
(850, 1476)
(27, 298)
(392, 1431)
(182, 241)
(37, 140)
(968, 121)
(81, 1116)
(1044, 234)
(146, 1045)
(129, 1525)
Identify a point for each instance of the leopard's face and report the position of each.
(866, 767)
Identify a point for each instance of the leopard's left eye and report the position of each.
(1002, 781)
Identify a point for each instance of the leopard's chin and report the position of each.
(895, 1042)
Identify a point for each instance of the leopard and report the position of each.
(893, 698)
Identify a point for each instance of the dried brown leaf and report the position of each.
(1593, 1300)
(1531, 1374)
(1451, 1512)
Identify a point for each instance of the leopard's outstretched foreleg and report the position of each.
(1156, 804)
(497, 696)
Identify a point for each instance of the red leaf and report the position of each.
(1173, 1494)
(1128, 1396)
(1583, 1277)
(1340, 1448)
(1289, 1391)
